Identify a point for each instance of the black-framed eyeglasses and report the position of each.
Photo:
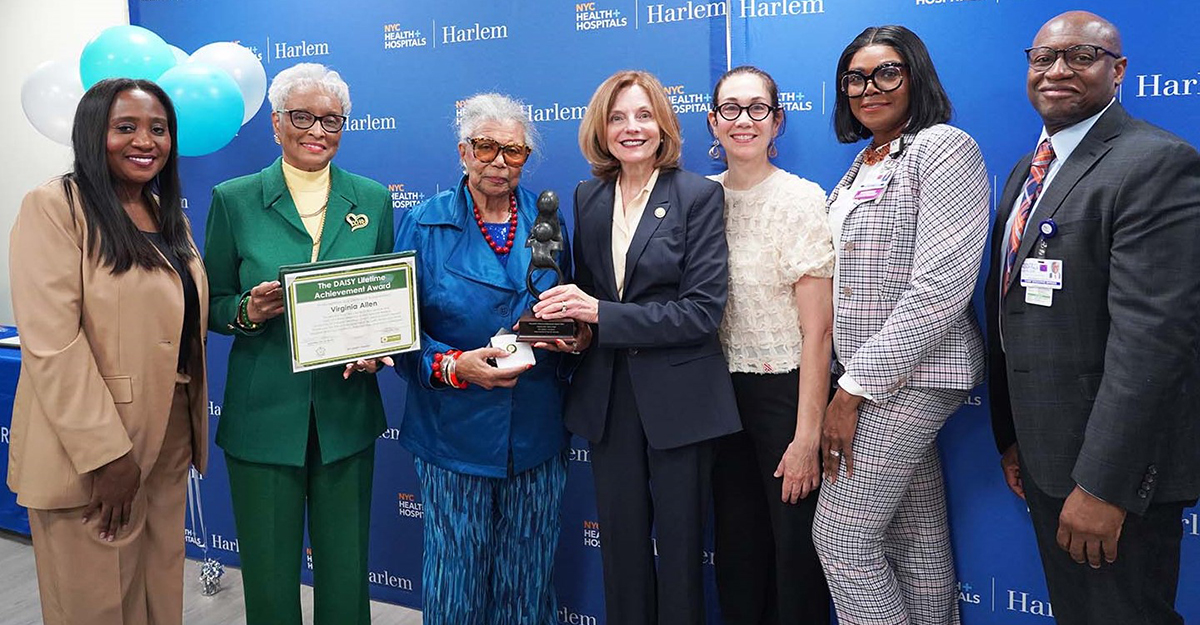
(486, 149)
(1078, 58)
(758, 111)
(304, 120)
(886, 77)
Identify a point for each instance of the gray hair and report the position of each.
(481, 108)
(304, 76)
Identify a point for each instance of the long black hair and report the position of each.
(112, 236)
(928, 103)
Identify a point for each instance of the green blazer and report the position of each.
(253, 229)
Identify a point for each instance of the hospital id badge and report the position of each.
(1039, 296)
(870, 191)
(1042, 272)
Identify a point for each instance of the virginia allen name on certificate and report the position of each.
(339, 314)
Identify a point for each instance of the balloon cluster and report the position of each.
(215, 90)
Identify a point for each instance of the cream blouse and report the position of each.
(777, 233)
(310, 193)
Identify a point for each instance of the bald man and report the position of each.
(1094, 328)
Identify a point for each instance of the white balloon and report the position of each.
(243, 65)
(180, 55)
(49, 97)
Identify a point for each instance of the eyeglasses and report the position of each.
(1079, 58)
(305, 120)
(486, 149)
(758, 111)
(886, 77)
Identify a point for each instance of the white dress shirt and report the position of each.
(624, 225)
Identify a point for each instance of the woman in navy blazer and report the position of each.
(488, 441)
(652, 391)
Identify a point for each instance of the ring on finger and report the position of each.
(564, 307)
(835, 453)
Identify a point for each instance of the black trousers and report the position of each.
(1138, 589)
(767, 570)
(639, 488)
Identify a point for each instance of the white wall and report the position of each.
(31, 32)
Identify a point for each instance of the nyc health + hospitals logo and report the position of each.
(407, 506)
(593, 16)
(398, 37)
(685, 102)
(403, 199)
(591, 534)
(795, 102)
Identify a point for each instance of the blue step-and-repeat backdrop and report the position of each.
(409, 63)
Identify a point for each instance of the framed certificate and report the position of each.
(340, 311)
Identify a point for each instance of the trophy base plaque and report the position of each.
(530, 329)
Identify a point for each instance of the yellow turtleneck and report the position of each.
(310, 193)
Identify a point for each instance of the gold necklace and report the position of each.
(321, 212)
(324, 205)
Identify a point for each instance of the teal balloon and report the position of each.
(124, 52)
(208, 105)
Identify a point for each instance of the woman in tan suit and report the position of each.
(111, 300)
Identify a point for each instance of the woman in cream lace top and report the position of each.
(777, 337)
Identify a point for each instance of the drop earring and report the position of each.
(277, 141)
(772, 152)
(714, 151)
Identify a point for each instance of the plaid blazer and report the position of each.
(908, 266)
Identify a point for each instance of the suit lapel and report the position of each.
(599, 218)
(1093, 147)
(847, 180)
(277, 198)
(1012, 188)
(656, 211)
(342, 200)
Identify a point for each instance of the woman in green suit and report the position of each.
(296, 441)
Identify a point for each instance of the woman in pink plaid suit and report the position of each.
(909, 221)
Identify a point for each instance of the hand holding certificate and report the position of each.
(340, 312)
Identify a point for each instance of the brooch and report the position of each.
(356, 221)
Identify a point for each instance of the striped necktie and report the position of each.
(1029, 195)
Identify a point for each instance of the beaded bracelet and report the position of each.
(242, 319)
(444, 369)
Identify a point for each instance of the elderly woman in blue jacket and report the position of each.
(488, 440)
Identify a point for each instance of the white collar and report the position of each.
(1066, 140)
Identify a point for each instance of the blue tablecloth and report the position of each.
(12, 516)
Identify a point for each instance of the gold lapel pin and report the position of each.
(357, 221)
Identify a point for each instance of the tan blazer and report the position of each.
(98, 357)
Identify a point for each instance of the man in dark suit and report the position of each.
(1094, 328)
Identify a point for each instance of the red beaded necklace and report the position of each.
(512, 227)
